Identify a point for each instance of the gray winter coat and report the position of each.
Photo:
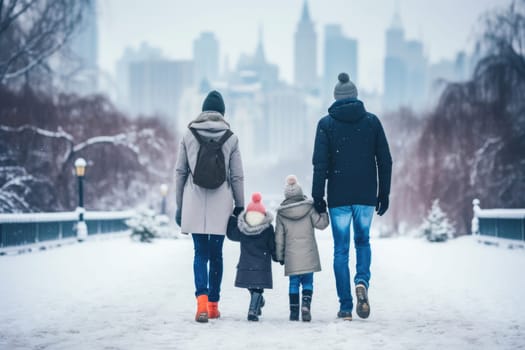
(204, 210)
(295, 235)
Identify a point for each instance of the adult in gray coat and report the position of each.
(205, 212)
(295, 244)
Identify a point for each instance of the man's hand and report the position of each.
(382, 205)
(320, 205)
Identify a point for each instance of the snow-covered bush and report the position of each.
(146, 225)
(436, 226)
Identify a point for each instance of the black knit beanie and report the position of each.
(214, 102)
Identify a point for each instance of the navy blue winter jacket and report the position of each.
(351, 152)
(254, 269)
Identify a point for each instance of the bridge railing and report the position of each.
(498, 225)
(17, 230)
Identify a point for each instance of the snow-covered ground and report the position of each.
(118, 294)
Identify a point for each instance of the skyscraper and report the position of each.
(81, 66)
(156, 86)
(340, 55)
(395, 67)
(305, 53)
(405, 76)
(144, 52)
(264, 72)
(206, 57)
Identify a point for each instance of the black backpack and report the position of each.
(210, 169)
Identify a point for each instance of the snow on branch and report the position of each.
(56, 134)
(118, 140)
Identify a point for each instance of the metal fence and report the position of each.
(38, 228)
(496, 225)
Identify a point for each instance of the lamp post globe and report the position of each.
(80, 171)
(80, 166)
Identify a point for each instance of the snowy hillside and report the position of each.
(118, 294)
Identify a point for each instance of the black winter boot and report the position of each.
(255, 306)
(261, 305)
(305, 307)
(294, 307)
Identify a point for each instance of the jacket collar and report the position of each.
(349, 110)
(254, 230)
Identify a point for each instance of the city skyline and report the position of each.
(174, 31)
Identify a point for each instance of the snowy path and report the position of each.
(118, 294)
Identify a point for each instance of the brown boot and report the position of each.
(363, 305)
(213, 309)
(202, 308)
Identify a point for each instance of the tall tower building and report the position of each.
(405, 79)
(305, 53)
(84, 54)
(206, 57)
(156, 86)
(395, 65)
(340, 55)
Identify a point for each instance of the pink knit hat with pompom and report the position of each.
(256, 204)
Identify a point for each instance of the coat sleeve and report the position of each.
(232, 231)
(271, 243)
(182, 171)
(319, 221)
(320, 161)
(279, 239)
(383, 161)
(237, 175)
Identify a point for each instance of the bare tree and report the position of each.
(31, 31)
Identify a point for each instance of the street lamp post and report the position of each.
(163, 193)
(80, 170)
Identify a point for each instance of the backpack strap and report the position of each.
(225, 137)
(221, 141)
(197, 136)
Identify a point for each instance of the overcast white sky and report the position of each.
(446, 26)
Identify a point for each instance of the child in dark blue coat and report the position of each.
(253, 229)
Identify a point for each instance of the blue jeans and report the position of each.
(208, 248)
(306, 279)
(341, 218)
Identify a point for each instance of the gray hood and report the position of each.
(254, 230)
(295, 210)
(210, 124)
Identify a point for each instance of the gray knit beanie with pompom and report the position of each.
(344, 88)
(292, 188)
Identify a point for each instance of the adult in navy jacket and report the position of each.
(351, 153)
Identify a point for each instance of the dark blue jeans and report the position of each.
(208, 248)
(306, 279)
(341, 219)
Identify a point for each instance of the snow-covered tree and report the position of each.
(436, 226)
(42, 135)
